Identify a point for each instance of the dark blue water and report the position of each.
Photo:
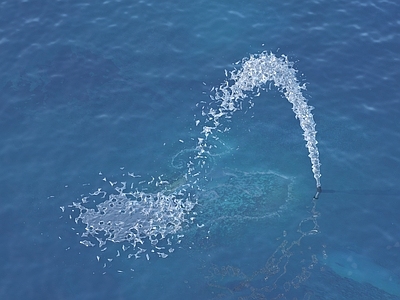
(99, 89)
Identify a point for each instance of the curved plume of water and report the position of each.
(152, 213)
(256, 71)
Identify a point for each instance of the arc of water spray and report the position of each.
(255, 72)
(130, 215)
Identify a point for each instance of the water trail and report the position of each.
(151, 214)
(255, 72)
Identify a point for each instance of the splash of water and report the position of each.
(154, 212)
(134, 216)
(255, 72)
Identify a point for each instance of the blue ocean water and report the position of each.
(93, 90)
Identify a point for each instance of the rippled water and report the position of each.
(102, 90)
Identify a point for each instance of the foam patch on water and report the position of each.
(126, 214)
